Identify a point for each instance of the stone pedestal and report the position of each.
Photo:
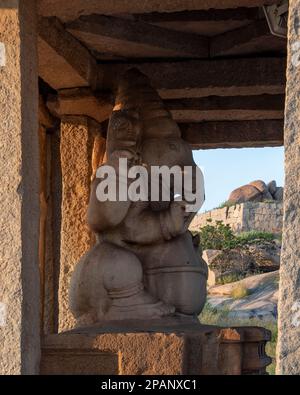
(185, 349)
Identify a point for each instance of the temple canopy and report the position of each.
(220, 68)
(216, 64)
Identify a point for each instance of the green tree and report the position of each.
(216, 237)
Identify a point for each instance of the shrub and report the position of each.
(254, 236)
(221, 237)
(230, 278)
(239, 292)
(216, 237)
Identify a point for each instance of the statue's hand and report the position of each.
(173, 220)
(177, 214)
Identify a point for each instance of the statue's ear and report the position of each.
(124, 126)
(124, 131)
(119, 120)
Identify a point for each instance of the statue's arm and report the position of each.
(144, 226)
(106, 215)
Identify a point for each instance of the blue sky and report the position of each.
(227, 169)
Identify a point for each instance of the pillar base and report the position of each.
(187, 348)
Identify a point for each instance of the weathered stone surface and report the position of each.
(76, 362)
(255, 37)
(266, 255)
(243, 261)
(45, 118)
(132, 38)
(63, 61)
(288, 352)
(80, 7)
(263, 188)
(145, 264)
(76, 147)
(245, 217)
(71, 102)
(53, 235)
(256, 191)
(246, 193)
(228, 108)
(209, 256)
(272, 187)
(261, 303)
(51, 187)
(43, 165)
(260, 185)
(233, 134)
(268, 109)
(251, 283)
(278, 195)
(233, 263)
(191, 349)
(19, 196)
(200, 78)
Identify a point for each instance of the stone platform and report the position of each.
(183, 348)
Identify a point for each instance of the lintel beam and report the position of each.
(252, 38)
(63, 61)
(81, 102)
(68, 11)
(95, 30)
(235, 134)
(229, 108)
(201, 78)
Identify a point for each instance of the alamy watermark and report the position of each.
(157, 183)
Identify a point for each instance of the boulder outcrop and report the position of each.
(256, 191)
(233, 264)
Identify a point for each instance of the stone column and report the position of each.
(19, 200)
(78, 136)
(288, 351)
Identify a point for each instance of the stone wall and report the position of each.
(19, 194)
(245, 217)
(288, 349)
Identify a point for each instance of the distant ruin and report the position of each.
(255, 206)
(244, 217)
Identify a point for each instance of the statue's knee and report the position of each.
(125, 273)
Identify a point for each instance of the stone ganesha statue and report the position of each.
(145, 263)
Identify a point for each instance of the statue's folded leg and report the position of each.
(123, 281)
(108, 285)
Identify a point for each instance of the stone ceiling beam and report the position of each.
(200, 78)
(95, 30)
(211, 15)
(207, 23)
(252, 38)
(235, 134)
(70, 10)
(81, 102)
(45, 118)
(218, 108)
(63, 61)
